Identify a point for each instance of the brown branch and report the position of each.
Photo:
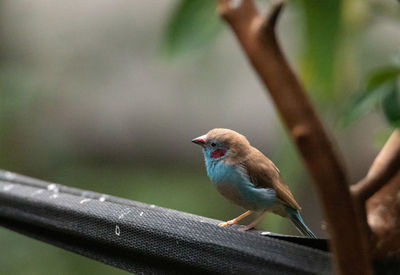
(383, 210)
(384, 167)
(258, 40)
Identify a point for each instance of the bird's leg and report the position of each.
(253, 223)
(235, 220)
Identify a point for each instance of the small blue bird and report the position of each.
(246, 177)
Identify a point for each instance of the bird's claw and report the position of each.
(228, 223)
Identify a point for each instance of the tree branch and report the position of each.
(382, 172)
(383, 210)
(384, 167)
(258, 40)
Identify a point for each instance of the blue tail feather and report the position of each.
(297, 220)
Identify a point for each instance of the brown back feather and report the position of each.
(264, 174)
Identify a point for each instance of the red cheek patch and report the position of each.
(218, 153)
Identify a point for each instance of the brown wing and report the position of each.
(264, 174)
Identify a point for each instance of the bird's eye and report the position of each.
(213, 144)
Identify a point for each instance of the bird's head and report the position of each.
(221, 143)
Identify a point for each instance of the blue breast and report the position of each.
(232, 182)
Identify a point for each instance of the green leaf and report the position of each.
(378, 83)
(193, 24)
(381, 76)
(391, 105)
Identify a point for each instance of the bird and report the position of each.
(246, 177)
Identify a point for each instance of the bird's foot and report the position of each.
(228, 223)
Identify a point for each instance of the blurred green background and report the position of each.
(106, 96)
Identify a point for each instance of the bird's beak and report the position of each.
(201, 140)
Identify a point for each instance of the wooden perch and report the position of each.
(256, 35)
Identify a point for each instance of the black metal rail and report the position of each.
(146, 239)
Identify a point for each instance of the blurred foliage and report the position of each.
(17, 96)
(381, 89)
(391, 104)
(322, 22)
(193, 24)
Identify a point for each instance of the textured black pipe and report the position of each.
(146, 239)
